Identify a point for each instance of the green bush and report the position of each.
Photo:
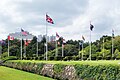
(98, 72)
(84, 58)
(68, 58)
(26, 66)
(9, 58)
(40, 58)
(5, 54)
(50, 58)
(75, 58)
(58, 58)
(58, 69)
(108, 57)
(99, 57)
(83, 72)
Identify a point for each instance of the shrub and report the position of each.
(9, 58)
(83, 72)
(75, 57)
(67, 58)
(58, 58)
(40, 58)
(99, 57)
(58, 69)
(50, 58)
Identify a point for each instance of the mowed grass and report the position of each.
(100, 62)
(13, 74)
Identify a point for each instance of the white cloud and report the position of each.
(71, 17)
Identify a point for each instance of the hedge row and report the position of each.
(75, 58)
(85, 72)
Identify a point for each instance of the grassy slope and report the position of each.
(13, 74)
(100, 62)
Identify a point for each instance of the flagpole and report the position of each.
(24, 51)
(21, 45)
(56, 48)
(37, 48)
(82, 50)
(62, 51)
(46, 41)
(8, 47)
(79, 49)
(112, 44)
(90, 46)
(103, 47)
(0, 50)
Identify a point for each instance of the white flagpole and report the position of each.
(82, 50)
(103, 47)
(21, 45)
(62, 51)
(79, 49)
(0, 49)
(8, 47)
(90, 46)
(24, 51)
(112, 46)
(56, 48)
(112, 43)
(37, 48)
(46, 41)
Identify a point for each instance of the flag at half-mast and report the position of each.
(23, 32)
(49, 19)
(10, 38)
(112, 33)
(91, 27)
(83, 38)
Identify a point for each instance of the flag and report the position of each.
(112, 33)
(10, 38)
(91, 27)
(57, 35)
(83, 38)
(49, 20)
(26, 42)
(23, 32)
(64, 42)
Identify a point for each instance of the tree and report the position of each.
(116, 53)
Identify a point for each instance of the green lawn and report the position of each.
(13, 74)
(100, 62)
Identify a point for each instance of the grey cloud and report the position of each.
(62, 11)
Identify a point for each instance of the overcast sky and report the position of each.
(71, 17)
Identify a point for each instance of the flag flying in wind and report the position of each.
(83, 38)
(26, 42)
(112, 33)
(91, 27)
(23, 32)
(57, 35)
(64, 42)
(10, 38)
(49, 20)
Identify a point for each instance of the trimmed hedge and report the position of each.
(83, 72)
(26, 66)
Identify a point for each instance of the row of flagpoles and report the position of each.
(49, 20)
